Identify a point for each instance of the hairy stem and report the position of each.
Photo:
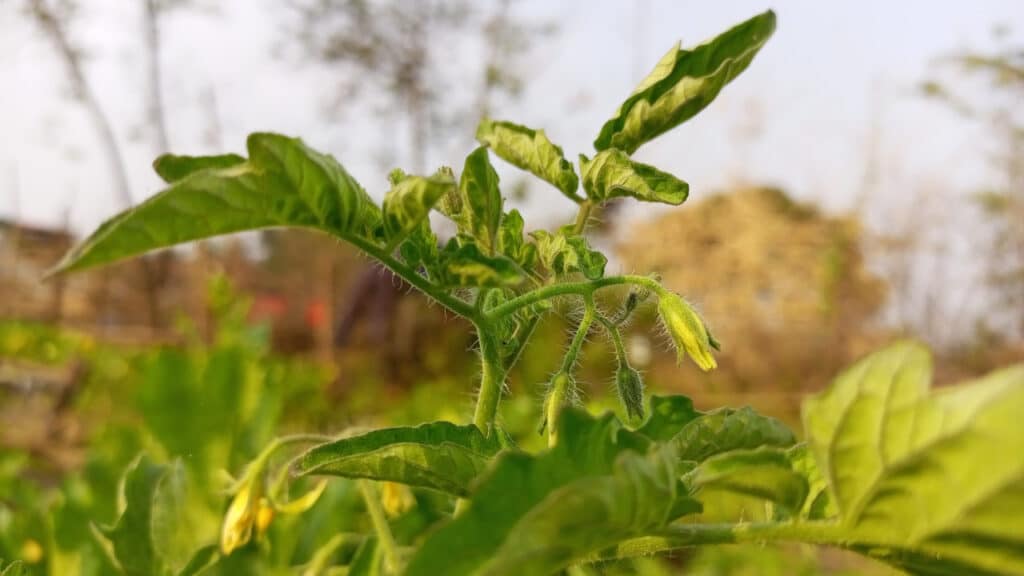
(491, 381)
(614, 335)
(568, 288)
(582, 216)
(380, 524)
(560, 393)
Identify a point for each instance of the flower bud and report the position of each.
(687, 330)
(630, 387)
(242, 514)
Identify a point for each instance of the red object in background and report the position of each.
(267, 307)
(316, 314)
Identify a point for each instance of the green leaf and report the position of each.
(132, 536)
(481, 199)
(204, 558)
(924, 480)
(668, 416)
(565, 253)
(438, 455)
(534, 514)
(283, 183)
(464, 265)
(683, 83)
(171, 167)
(818, 505)
(409, 201)
(612, 174)
(766, 473)
(727, 429)
(511, 242)
(16, 568)
(530, 150)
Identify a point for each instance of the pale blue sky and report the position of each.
(836, 76)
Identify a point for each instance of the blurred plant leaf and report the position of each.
(530, 150)
(535, 514)
(477, 209)
(932, 483)
(438, 455)
(367, 560)
(668, 415)
(683, 83)
(283, 183)
(612, 174)
(765, 473)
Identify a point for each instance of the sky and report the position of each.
(833, 92)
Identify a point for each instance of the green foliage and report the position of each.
(929, 482)
(683, 83)
(439, 455)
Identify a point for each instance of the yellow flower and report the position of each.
(687, 330)
(396, 498)
(241, 515)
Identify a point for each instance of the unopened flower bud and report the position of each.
(687, 330)
(630, 387)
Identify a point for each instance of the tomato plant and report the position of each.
(931, 482)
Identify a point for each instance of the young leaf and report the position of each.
(171, 167)
(683, 83)
(464, 265)
(612, 174)
(409, 201)
(511, 242)
(931, 483)
(283, 183)
(481, 199)
(438, 455)
(530, 150)
(765, 473)
(534, 514)
(565, 253)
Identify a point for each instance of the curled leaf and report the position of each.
(612, 174)
(530, 150)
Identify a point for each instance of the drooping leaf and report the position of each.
(534, 514)
(283, 183)
(683, 83)
(464, 265)
(565, 253)
(933, 483)
(409, 201)
(438, 455)
(612, 174)
(766, 473)
(530, 150)
(481, 199)
(172, 167)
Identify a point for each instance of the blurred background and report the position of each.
(862, 182)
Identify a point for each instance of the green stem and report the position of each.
(380, 525)
(582, 216)
(615, 336)
(559, 394)
(460, 307)
(567, 288)
(491, 381)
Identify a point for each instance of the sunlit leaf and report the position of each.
(532, 151)
(765, 473)
(727, 429)
(612, 174)
(683, 83)
(439, 455)
(409, 201)
(283, 183)
(536, 514)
